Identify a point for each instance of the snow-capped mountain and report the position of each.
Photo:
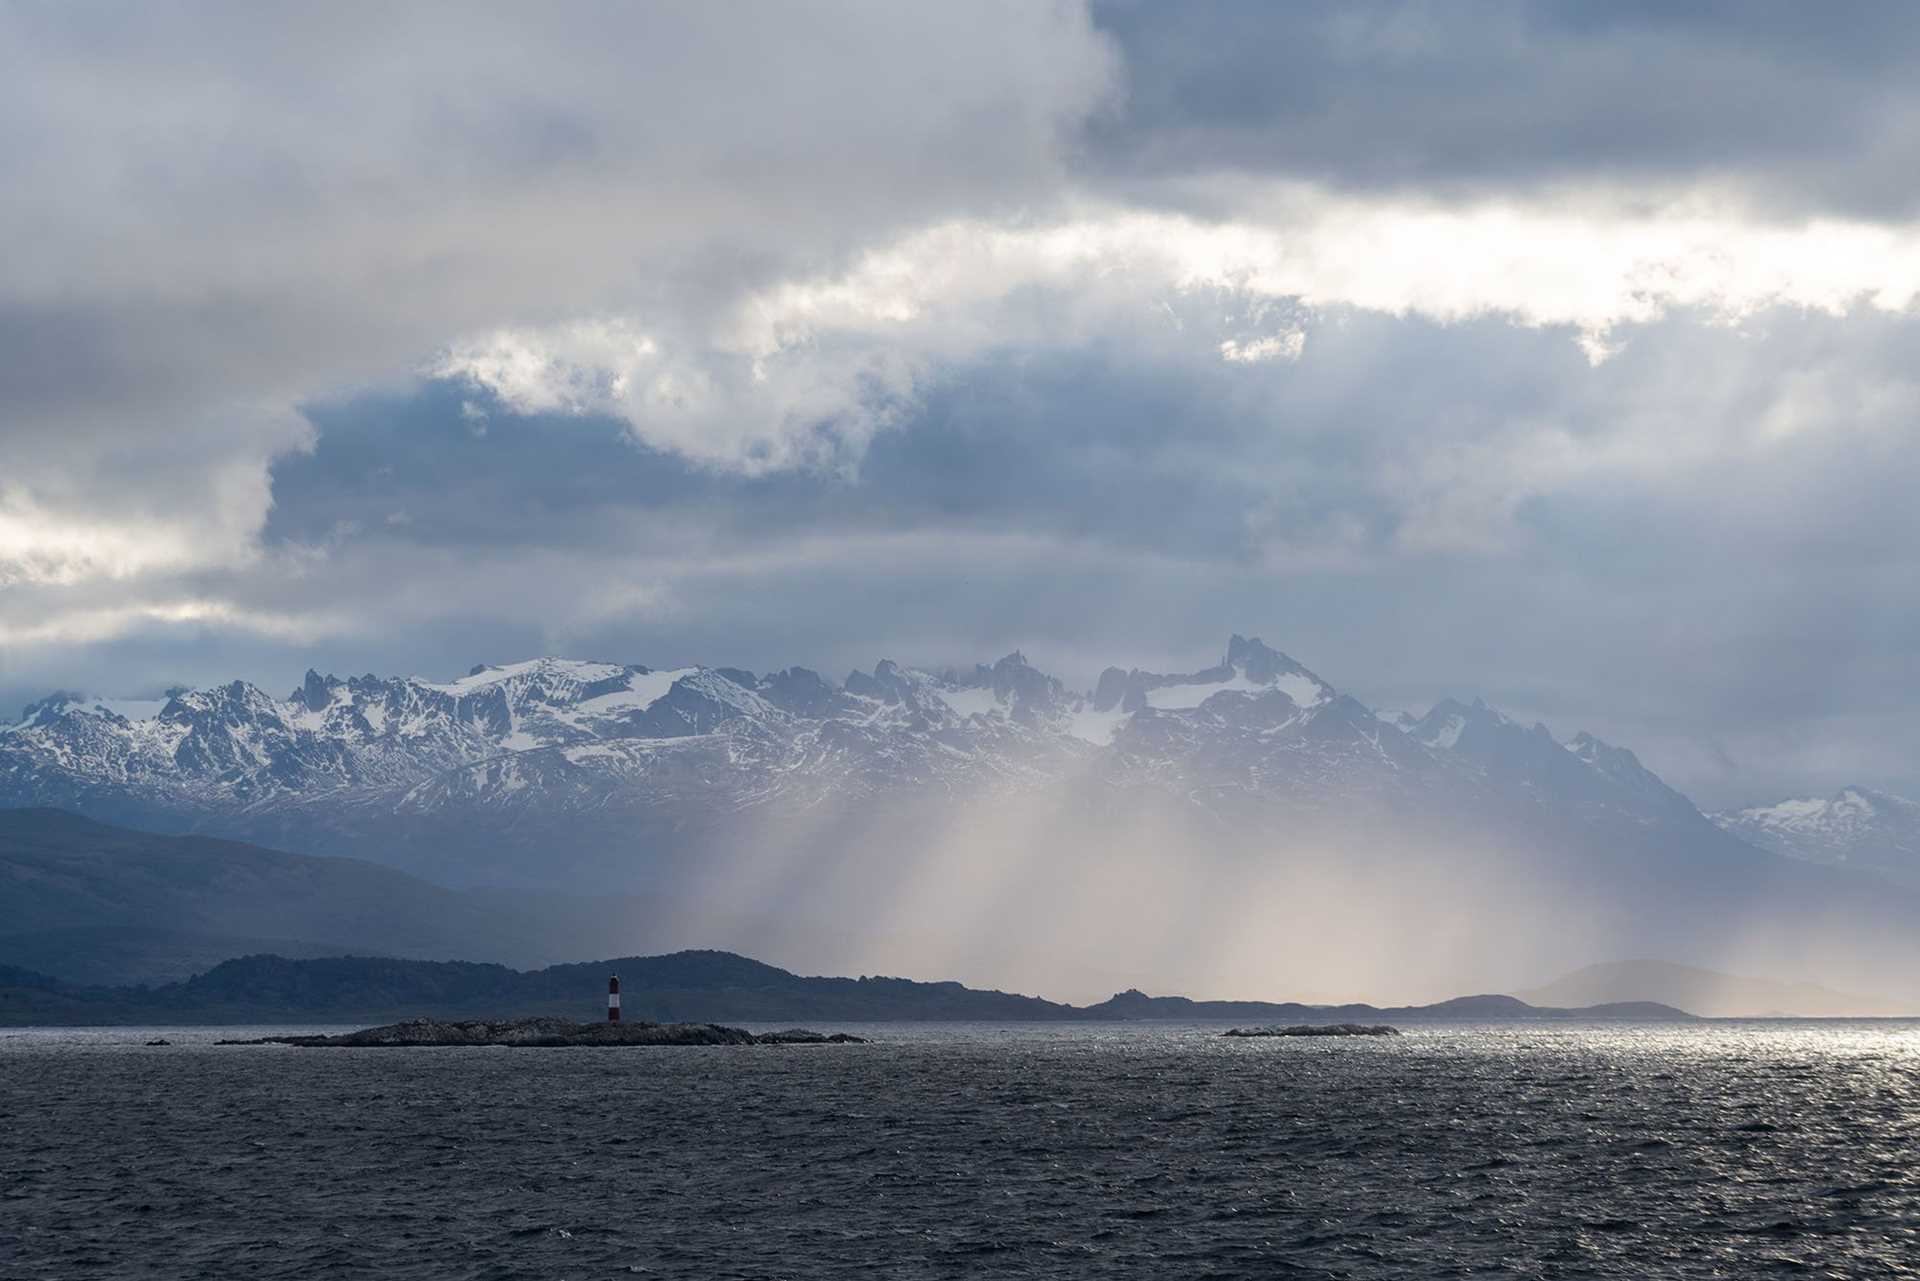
(507, 772)
(1247, 806)
(1856, 827)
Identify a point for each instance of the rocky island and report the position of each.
(1317, 1029)
(550, 1032)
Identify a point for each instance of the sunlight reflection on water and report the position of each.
(1713, 1149)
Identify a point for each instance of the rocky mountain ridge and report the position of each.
(1856, 827)
(401, 769)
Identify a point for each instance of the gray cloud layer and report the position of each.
(1807, 109)
(219, 211)
(823, 333)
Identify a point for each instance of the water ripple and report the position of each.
(1729, 1150)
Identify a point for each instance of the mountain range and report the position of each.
(1856, 827)
(398, 768)
(1248, 814)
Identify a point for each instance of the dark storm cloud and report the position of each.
(1809, 108)
(1139, 445)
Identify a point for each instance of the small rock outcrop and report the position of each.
(553, 1032)
(807, 1036)
(1317, 1029)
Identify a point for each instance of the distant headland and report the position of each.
(1316, 1029)
(552, 1033)
(678, 988)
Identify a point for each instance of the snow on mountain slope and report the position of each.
(1249, 668)
(1584, 776)
(1856, 827)
(581, 753)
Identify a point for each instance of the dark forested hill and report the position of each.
(694, 986)
(98, 904)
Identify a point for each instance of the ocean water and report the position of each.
(1722, 1150)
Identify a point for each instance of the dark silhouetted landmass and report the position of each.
(682, 987)
(1316, 1029)
(1461, 1009)
(553, 1033)
(97, 904)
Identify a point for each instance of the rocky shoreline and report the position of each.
(549, 1032)
(1317, 1029)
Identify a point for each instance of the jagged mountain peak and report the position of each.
(1583, 772)
(545, 671)
(1856, 826)
(1024, 687)
(1871, 800)
(1443, 724)
(240, 700)
(1243, 652)
(45, 711)
(1598, 752)
(1851, 803)
(1264, 665)
(61, 704)
(557, 736)
(1011, 687)
(1479, 723)
(1249, 668)
(316, 691)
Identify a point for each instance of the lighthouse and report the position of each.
(613, 999)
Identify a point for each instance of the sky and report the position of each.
(1556, 353)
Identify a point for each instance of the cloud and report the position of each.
(757, 406)
(1273, 347)
(233, 212)
(1697, 544)
(94, 494)
(805, 372)
(1553, 352)
(1791, 111)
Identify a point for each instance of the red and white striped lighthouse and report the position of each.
(613, 999)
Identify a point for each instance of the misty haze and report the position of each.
(1074, 638)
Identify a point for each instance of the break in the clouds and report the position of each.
(1558, 353)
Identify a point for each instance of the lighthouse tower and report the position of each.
(613, 999)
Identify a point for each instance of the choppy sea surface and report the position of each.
(1718, 1150)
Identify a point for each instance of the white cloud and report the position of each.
(233, 207)
(754, 406)
(1255, 351)
(92, 624)
(806, 371)
(170, 493)
(1551, 262)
